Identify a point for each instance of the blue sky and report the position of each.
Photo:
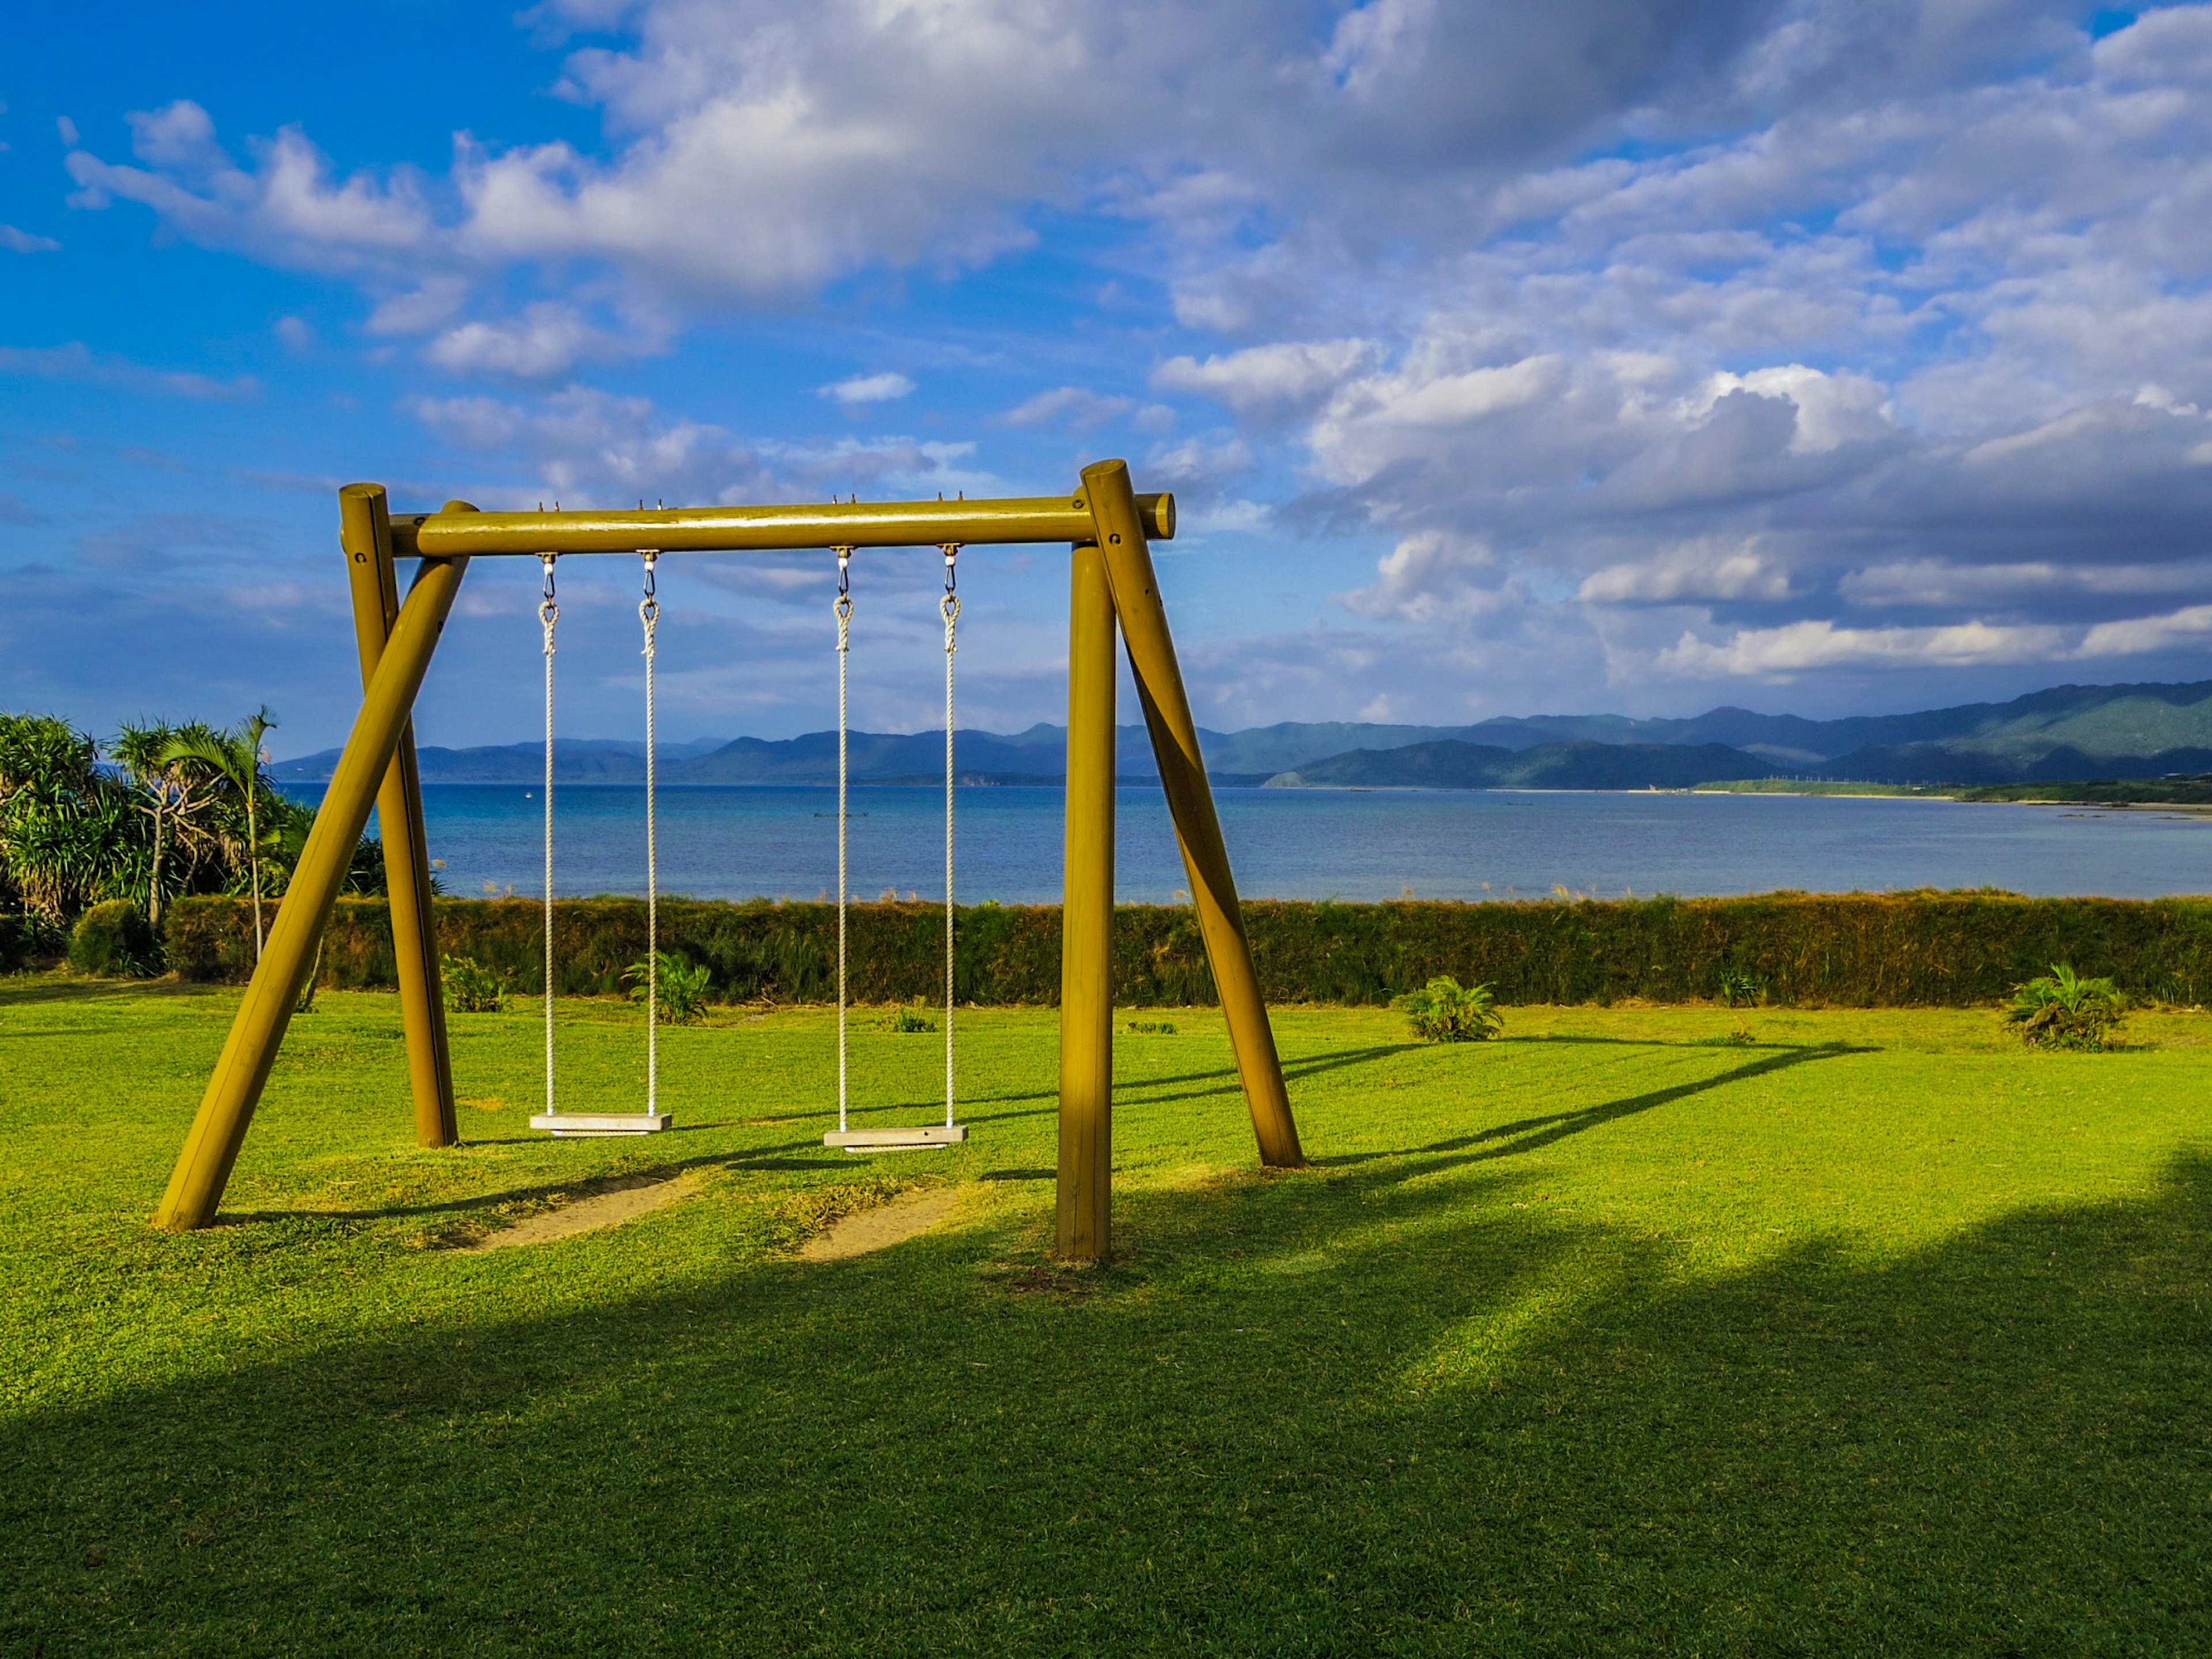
(1818, 357)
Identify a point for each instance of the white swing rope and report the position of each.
(950, 607)
(649, 614)
(549, 613)
(844, 608)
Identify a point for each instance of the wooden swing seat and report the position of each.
(567, 1125)
(896, 1140)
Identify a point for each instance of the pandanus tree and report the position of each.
(65, 828)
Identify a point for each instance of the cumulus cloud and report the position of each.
(1760, 340)
(285, 206)
(1430, 577)
(548, 339)
(1286, 378)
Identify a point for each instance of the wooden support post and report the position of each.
(1084, 1231)
(1174, 732)
(365, 532)
(195, 1190)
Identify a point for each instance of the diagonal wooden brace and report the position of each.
(195, 1191)
(1144, 620)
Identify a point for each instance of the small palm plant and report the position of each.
(680, 997)
(1739, 988)
(237, 757)
(1445, 1010)
(2062, 1010)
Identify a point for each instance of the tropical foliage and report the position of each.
(1740, 990)
(1445, 1010)
(2062, 1010)
(678, 991)
(159, 813)
(472, 988)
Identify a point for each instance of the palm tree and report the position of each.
(237, 757)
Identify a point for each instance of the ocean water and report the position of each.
(739, 843)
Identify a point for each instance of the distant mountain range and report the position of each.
(2070, 732)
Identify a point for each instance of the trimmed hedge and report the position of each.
(113, 938)
(1852, 950)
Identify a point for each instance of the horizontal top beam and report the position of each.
(762, 529)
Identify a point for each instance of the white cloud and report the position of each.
(285, 207)
(885, 387)
(1073, 407)
(1812, 320)
(431, 303)
(548, 339)
(22, 241)
(1269, 380)
(1198, 461)
(1706, 569)
(1797, 648)
(585, 447)
(2139, 636)
(1830, 409)
(1429, 578)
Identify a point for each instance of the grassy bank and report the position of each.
(1854, 949)
(1873, 1334)
(2134, 791)
(1817, 786)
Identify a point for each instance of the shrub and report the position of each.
(1152, 1027)
(1445, 1010)
(471, 987)
(113, 939)
(680, 998)
(15, 942)
(2062, 1010)
(909, 1019)
(1742, 990)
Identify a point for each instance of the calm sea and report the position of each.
(719, 842)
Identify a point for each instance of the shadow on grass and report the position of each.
(1528, 1133)
(30, 991)
(1350, 1415)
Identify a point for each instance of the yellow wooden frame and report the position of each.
(1113, 588)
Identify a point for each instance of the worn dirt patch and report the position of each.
(884, 1226)
(609, 1207)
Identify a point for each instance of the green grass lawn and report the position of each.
(1875, 1336)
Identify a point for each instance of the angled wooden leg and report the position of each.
(195, 1190)
(1174, 732)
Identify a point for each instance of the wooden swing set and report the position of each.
(1113, 588)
